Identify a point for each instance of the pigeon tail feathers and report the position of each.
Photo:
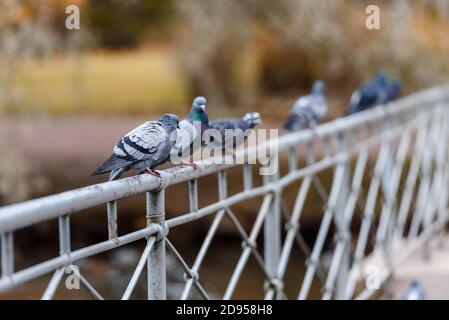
(115, 174)
(113, 163)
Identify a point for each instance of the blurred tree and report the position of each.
(32, 30)
(120, 23)
(296, 41)
(24, 33)
(213, 38)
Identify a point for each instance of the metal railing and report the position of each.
(389, 166)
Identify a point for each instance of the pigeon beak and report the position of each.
(203, 107)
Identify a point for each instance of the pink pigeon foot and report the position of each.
(152, 172)
(188, 163)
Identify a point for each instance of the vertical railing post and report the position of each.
(193, 195)
(222, 185)
(422, 197)
(156, 259)
(247, 176)
(443, 165)
(342, 226)
(387, 124)
(112, 220)
(368, 216)
(7, 254)
(272, 227)
(64, 234)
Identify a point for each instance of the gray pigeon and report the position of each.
(394, 89)
(308, 110)
(241, 129)
(191, 131)
(143, 148)
(370, 94)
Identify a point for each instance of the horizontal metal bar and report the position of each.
(290, 177)
(62, 205)
(17, 216)
(52, 264)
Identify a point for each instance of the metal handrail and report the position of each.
(16, 216)
(424, 114)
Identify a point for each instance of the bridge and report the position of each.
(386, 201)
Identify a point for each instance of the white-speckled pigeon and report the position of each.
(308, 110)
(370, 94)
(191, 130)
(143, 148)
(232, 132)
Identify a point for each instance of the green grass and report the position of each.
(132, 81)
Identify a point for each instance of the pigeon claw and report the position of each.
(152, 172)
(188, 163)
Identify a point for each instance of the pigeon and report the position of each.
(370, 94)
(191, 131)
(143, 148)
(308, 110)
(415, 292)
(394, 88)
(230, 139)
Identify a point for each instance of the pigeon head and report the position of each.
(252, 119)
(170, 121)
(199, 102)
(198, 112)
(318, 87)
(381, 77)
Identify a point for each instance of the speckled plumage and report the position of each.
(240, 127)
(146, 146)
(308, 110)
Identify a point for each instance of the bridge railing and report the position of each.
(389, 168)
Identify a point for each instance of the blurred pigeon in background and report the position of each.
(241, 127)
(373, 92)
(308, 110)
(394, 88)
(415, 292)
(143, 148)
(191, 131)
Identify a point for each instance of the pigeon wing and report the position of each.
(319, 106)
(113, 163)
(138, 145)
(143, 142)
(221, 125)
